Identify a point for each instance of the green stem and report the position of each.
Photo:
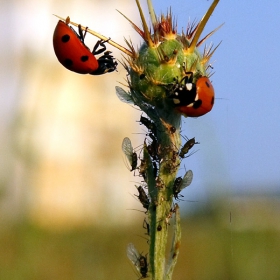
(175, 245)
(161, 192)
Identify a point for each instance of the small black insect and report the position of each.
(142, 169)
(181, 183)
(187, 146)
(129, 153)
(143, 198)
(172, 129)
(138, 260)
(149, 124)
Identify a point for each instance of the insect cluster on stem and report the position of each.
(167, 78)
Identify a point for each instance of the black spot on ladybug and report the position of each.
(84, 58)
(207, 84)
(212, 101)
(197, 104)
(68, 62)
(65, 38)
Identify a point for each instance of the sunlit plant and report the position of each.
(167, 77)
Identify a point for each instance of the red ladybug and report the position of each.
(193, 100)
(74, 55)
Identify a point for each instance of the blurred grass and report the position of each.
(212, 248)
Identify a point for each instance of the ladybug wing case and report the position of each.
(71, 52)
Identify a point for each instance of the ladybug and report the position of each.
(193, 99)
(74, 55)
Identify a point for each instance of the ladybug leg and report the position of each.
(106, 64)
(97, 45)
(188, 78)
(81, 34)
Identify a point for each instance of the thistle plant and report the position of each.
(167, 77)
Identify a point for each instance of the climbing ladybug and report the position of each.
(74, 55)
(193, 99)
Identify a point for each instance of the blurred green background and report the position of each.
(216, 244)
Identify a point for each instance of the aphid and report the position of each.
(187, 146)
(152, 151)
(128, 151)
(143, 168)
(159, 228)
(174, 156)
(153, 147)
(170, 164)
(181, 183)
(159, 183)
(124, 96)
(154, 138)
(73, 54)
(171, 212)
(138, 260)
(149, 124)
(171, 167)
(193, 99)
(172, 129)
(143, 198)
(169, 216)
